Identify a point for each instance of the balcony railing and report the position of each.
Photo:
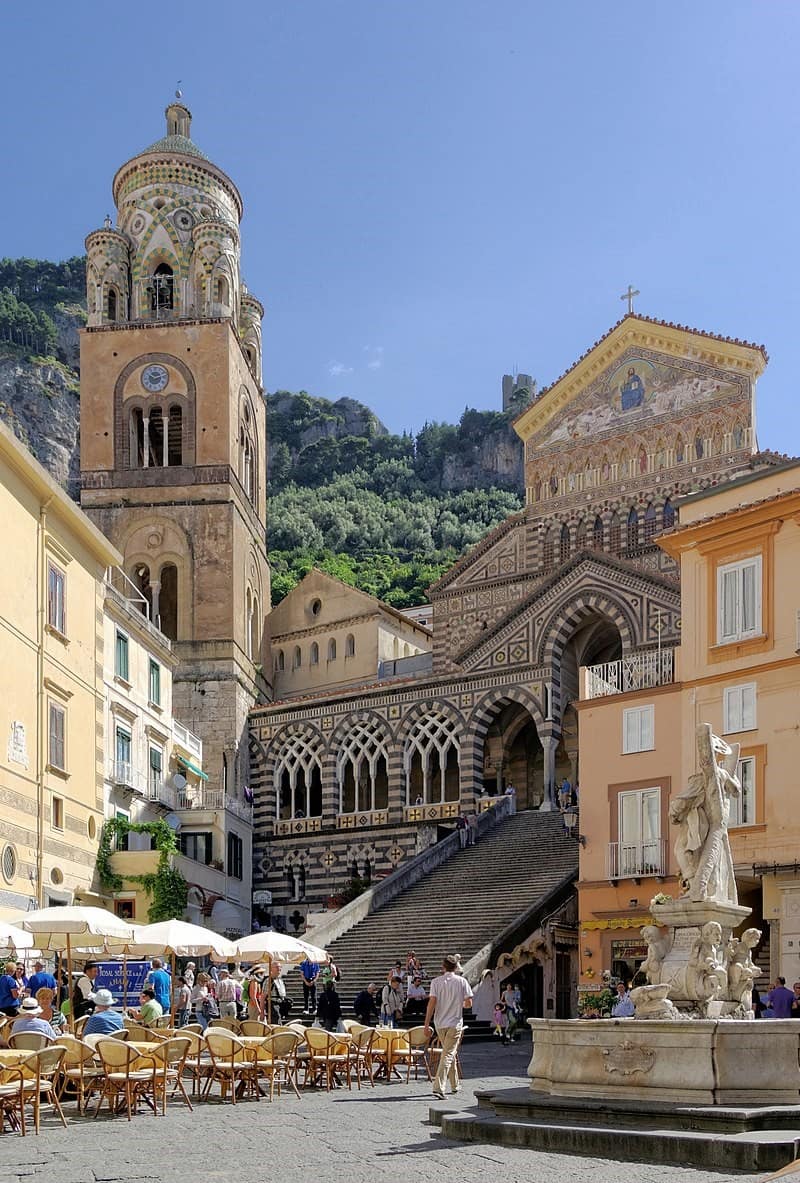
(187, 740)
(636, 860)
(637, 671)
(123, 773)
(159, 790)
(203, 798)
(432, 812)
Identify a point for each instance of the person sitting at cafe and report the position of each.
(416, 997)
(30, 1019)
(104, 1020)
(45, 996)
(150, 1009)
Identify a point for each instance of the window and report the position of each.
(235, 856)
(564, 543)
(314, 656)
(638, 729)
(112, 305)
(633, 530)
(122, 754)
(332, 649)
(739, 708)
(597, 534)
(8, 864)
(743, 807)
(650, 523)
(156, 765)
(175, 437)
(297, 659)
(121, 840)
(155, 683)
(58, 813)
(161, 290)
(739, 600)
(668, 515)
(121, 656)
(640, 832)
(56, 605)
(280, 661)
(350, 646)
(196, 846)
(57, 730)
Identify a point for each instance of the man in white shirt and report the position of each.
(449, 995)
(226, 995)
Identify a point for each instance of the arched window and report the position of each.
(597, 533)
(314, 655)
(154, 428)
(699, 446)
(332, 649)
(280, 661)
(563, 543)
(668, 515)
(111, 306)
(650, 523)
(161, 290)
(247, 452)
(431, 759)
(633, 530)
(350, 646)
(298, 777)
(547, 548)
(248, 623)
(580, 536)
(168, 601)
(362, 768)
(615, 534)
(141, 577)
(221, 290)
(175, 436)
(297, 658)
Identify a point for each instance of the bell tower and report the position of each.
(173, 430)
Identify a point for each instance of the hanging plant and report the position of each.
(167, 888)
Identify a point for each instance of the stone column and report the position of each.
(549, 743)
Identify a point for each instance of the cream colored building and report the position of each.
(51, 687)
(154, 769)
(737, 668)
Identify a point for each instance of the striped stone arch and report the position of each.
(426, 707)
(480, 721)
(297, 748)
(432, 733)
(555, 633)
(362, 742)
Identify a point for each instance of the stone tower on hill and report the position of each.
(173, 435)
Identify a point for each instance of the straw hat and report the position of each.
(30, 1007)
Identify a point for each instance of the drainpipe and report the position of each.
(41, 701)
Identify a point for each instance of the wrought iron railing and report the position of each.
(637, 671)
(635, 860)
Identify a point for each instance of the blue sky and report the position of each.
(438, 190)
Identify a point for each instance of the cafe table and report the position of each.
(387, 1040)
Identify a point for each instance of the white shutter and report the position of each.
(739, 708)
(646, 729)
(630, 731)
(748, 707)
(750, 613)
(726, 597)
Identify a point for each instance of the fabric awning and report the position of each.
(192, 767)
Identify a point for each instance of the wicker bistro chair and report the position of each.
(231, 1063)
(267, 1067)
(126, 1075)
(12, 1098)
(233, 1025)
(283, 1045)
(327, 1056)
(137, 1032)
(80, 1024)
(41, 1071)
(413, 1051)
(79, 1070)
(252, 1027)
(168, 1063)
(29, 1041)
(362, 1057)
(435, 1051)
(198, 1063)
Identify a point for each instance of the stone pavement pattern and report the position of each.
(366, 1137)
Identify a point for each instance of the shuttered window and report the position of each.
(638, 729)
(739, 600)
(739, 708)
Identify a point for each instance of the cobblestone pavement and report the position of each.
(342, 1137)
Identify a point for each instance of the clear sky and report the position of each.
(437, 191)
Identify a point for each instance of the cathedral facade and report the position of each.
(648, 415)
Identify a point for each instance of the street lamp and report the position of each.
(570, 817)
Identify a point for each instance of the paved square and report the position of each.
(345, 1137)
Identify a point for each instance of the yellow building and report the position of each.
(51, 687)
(736, 667)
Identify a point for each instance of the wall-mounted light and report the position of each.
(588, 953)
(570, 819)
(633, 903)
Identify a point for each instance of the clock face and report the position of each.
(154, 378)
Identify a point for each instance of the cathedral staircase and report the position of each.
(515, 875)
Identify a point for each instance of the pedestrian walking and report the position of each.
(449, 995)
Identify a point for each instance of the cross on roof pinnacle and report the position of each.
(629, 296)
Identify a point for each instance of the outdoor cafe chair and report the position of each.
(284, 1045)
(413, 1050)
(136, 1031)
(327, 1057)
(40, 1071)
(227, 1024)
(79, 1070)
(80, 1024)
(435, 1051)
(168, 1061)
(252, 1027)
(231, 1063)
(362, 1056)
(12, 1098)
(123, 1033)
(266, 1066)
(126, 1075)
(29, 1041)
(196, 1027)
(198, 1063)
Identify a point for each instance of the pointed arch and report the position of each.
(650, 523)
(547, 547)
(296, 757)
(362, 766)
(615, 534)
(668, 515)
(597, 533)
(564, 543)
(632, 529)
(580, 535)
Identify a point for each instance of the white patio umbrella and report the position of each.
(12, 937)
(180, 939)
(91, 928)
(276, 946)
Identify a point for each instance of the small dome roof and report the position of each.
(175, 143)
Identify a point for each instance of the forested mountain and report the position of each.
(387, 513)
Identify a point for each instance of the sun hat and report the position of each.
(30, 1006)
(103, 998)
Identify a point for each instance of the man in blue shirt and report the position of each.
(623, 1008)
(104, 1021)
(781, 999)
(9, 990)
(310, 971)
(160, 983)
(40, 979)
(30, 1020)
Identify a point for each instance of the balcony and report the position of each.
(362, 819)
(637, 671)
(160, 791)
(129, 863)
(631, 860)
(433, 812)
(125, 776)
(191, 744)
(199, 797)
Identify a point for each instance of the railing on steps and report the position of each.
(404, 877)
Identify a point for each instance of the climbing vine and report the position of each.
(166, 886)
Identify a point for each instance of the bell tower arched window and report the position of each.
(247, 452)
(161, 290)
(111, 307)
(168, 601)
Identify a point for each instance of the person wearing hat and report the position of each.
(104, 1020)
(29, 1019)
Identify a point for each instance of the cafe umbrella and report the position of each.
(276, 947)
(179, 939)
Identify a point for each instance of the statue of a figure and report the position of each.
(702, 848)
(742, 972)
(651, 1002)
(706, 979)
(657, 948)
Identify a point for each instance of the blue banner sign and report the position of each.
(110, 977)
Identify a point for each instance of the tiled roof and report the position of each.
(175, 145)
(734, 510)
(665, 324)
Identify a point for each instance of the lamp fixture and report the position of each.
(570, 819)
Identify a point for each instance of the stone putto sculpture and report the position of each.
(706, 976)
(702, 812)
(742, 972)
(657, 948)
